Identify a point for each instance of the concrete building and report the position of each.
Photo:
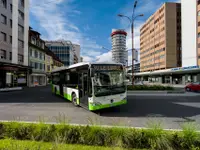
(77, 52)
(37, 53)
(119, 53)
(51, 62)
(160, 39)
(65, 51)
(14, 26)
(190, 32)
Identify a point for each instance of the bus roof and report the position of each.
(81, 64)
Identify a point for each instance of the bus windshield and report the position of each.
(108, 83)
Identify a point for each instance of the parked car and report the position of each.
(195, 86)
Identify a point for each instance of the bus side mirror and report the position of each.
(92, 72)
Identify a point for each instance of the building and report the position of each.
(14, 28)
(81, 59)
(51, 62)
(190, 32)
(77, 52)
(160, 39)
(119, 52)
(136, 68)
(37, 53)
(65, 51)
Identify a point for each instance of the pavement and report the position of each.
(34, 104)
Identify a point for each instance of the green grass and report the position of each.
(9, 144)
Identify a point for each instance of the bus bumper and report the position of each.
(93, 107)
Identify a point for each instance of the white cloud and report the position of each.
(105, 57)
(87, 59)
(58, 26)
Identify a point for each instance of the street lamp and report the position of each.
(132, 19)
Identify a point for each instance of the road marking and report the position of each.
(105, 126)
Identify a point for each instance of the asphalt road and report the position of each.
(34, 104)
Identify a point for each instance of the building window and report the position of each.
(20, 44)
(48, 68)
(10, 23)
(10, 39)
(20, 29)
(21, 15)
(3, 19)
(21, 3)
(40, 55)
(3, 36)
(33, 40)
(3, 3)
(41, 65)
(36, 65)
(20, 58)
(11, 8)
(36, 54)
(10, 55)
(2, 54)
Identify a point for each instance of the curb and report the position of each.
(157, 92)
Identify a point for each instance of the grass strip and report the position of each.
(9, 144)
(154, 138)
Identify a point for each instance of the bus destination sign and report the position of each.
(108, 67)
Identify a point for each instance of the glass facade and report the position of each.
(64, 53)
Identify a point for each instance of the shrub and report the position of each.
(149, 87)
(154, 138)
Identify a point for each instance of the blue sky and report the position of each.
(88, 22)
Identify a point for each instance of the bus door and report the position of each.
(61, 83)
(83, 91)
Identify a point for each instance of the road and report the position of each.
(34, 104)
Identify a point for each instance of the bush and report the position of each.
(154, 138)
(149, 87)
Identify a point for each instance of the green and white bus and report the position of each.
(93, 86)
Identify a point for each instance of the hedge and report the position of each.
(154, 138)
(10, 144)
(150, 87)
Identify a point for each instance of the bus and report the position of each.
(93, 86)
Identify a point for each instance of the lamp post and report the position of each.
(132, 19)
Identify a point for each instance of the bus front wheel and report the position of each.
(74, 99)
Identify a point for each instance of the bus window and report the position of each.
(55, 79)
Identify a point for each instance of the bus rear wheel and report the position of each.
(74, 100)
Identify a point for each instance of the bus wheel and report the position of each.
(74, 100)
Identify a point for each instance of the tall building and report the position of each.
(65, 51)
(119, 53)
(160, 39)
(190, 32)
(14, 28)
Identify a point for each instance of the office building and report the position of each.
(190, 32)
(37, 53)
(14, 26)
(65, 51)
(119, 52)
(160, 39)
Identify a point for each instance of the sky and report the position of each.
(89, 22)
